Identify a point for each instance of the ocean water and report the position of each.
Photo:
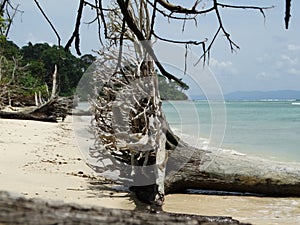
(269, 129)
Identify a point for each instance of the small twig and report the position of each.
(207, 51)
(178, 42)
(245, 7)
(185, 58)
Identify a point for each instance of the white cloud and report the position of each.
(292, 47)
(294, 71)
(288, 59)
(221, 64)
(263, 58)
(267, 76)
(222, 67)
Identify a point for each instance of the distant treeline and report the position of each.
(170, 90)
(31, 67)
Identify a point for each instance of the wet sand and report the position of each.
(255, 210)
(42, 160)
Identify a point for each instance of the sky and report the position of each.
(268, 58)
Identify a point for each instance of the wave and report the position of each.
(204, 143)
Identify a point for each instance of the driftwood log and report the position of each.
(54, 109)
(51, 110)
(231, 172)
(18, 210)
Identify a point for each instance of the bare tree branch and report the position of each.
(3, 5)
(207, 51)
(75, 34)
(245, 7)
(287, 13)
(48, 20)
(10, 18)
(145, 43)
(153, 19)
(179, 9)
(99, 12)
(227, 35)
(179, 42)
(121, 39)
(169, 15)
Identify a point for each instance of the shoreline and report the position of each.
(252, 128)
(42, 160)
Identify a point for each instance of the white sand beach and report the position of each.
(42, 160)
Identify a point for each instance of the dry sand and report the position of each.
(39, 159)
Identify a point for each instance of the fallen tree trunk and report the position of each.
(51, 111)
(18, 210)
(26, 116)
(225, 171)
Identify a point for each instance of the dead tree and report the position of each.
(136, 132)
(129, 124)
(133, 129)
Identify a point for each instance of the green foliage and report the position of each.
(170, 90)
(30, 68)
(3, 27)
(43, 58)
(9, 50)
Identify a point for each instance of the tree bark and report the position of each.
(54, 83)
(49, 112)
(26, 116)
(18, 210)
(225, 171)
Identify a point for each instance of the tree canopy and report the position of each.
(29, 69)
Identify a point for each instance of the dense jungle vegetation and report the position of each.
(30, 68)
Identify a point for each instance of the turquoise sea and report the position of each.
(269, 129)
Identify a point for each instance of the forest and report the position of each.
(29, 69)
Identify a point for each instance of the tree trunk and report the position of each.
(225, 171)
(54, 83)
(49, 112)
(17, 210)
(26, 116)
